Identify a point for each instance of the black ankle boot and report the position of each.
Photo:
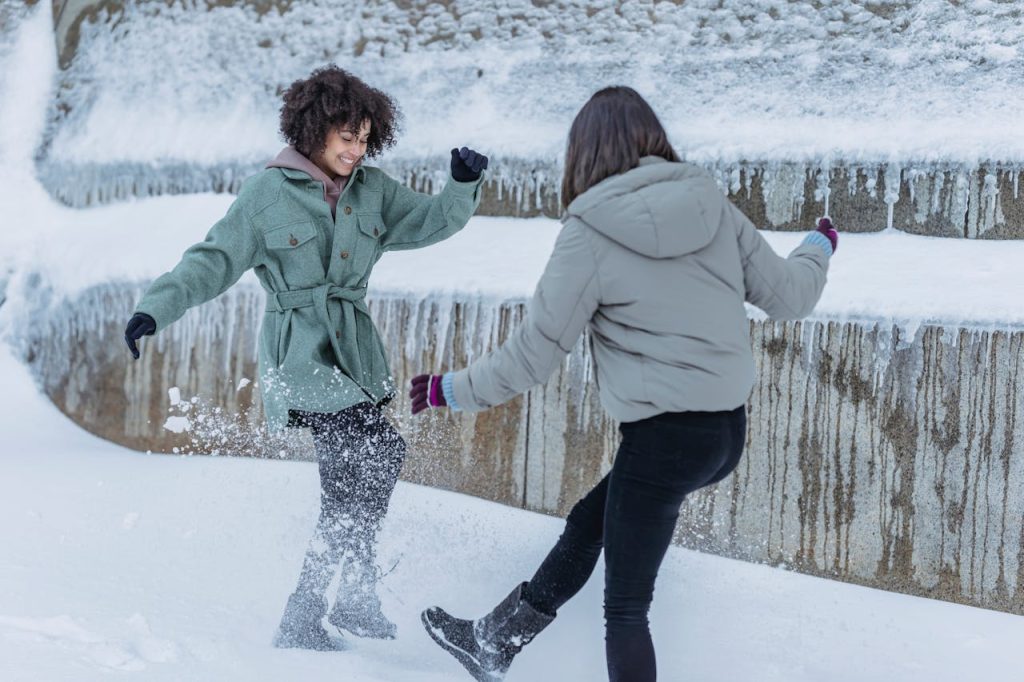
(486, 647)
(301, 626)
(360, 613)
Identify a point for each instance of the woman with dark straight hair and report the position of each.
(656, 262)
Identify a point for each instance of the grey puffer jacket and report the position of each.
(657, 263)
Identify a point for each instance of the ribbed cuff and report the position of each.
(449, 391)
(818, 239)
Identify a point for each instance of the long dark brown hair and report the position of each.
(612, 132)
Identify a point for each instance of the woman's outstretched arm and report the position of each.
(205, 271)
(566, 298)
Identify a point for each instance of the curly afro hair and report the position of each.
(333, 98)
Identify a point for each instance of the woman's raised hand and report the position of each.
(467, 165)
(825, 227)
(140, 325)
(426, 392)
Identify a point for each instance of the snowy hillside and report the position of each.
(765, 80)
(169, 98)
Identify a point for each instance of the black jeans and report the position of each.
(360, 456)
(632, 514)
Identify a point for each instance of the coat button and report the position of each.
(293, 241)
(337, 335)
(344, 254)
(376, 232)
(348, 210)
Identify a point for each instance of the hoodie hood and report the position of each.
(291, 159)
(659, 209)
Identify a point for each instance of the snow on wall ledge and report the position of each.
(798, 107)
(929, 199)
(872, 457)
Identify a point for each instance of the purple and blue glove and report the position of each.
(426, 392)
(825, 227)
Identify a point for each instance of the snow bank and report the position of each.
(892, 276)
(733, 80)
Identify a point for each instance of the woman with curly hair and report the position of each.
(312, 225)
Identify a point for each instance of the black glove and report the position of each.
(140, 325)
(467, 165)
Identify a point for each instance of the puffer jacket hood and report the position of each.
(657, 264)
(659, 209)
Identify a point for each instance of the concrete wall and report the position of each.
(874, 456)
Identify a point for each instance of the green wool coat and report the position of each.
(318, 348)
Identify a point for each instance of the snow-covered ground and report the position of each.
(117, 565)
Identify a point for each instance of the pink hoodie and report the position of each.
(291, 158)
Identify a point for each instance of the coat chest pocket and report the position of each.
(371, 232)
(371, 225)
(294, 247)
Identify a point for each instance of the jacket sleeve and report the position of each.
(785, 288)
(415, 220)
(206, 269)
(566, 298)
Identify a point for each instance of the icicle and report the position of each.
(823, 191)
(1016, 186)
(807, 333)
(990, 192)
(445, 325)
(797, 192)
(910, 330)
(974, 211)
(939, 181)
(893, 175)
(919, 182)
(734, 181)
(883, 349)
(720, 178)
(870, 182)
(959, 197)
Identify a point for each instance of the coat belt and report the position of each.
(280, 301)
(360, 349)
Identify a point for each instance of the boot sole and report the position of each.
(341, 624)
(460, 655)
(362, 634)
(332, 644)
